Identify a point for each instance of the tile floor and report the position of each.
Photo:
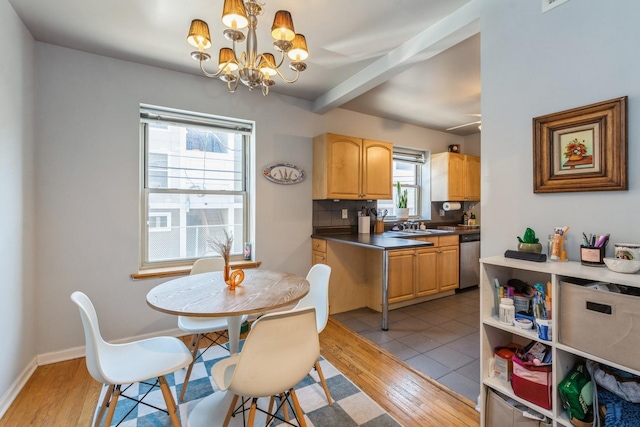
(440, 338)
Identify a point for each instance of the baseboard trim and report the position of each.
(62, 356)
(17, 386)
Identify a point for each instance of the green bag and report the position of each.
(576, 392)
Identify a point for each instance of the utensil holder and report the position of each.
(379, 226)
(364, 224)
(592, 256)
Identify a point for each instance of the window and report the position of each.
(159, 221)
(409, 168)
(194, 185)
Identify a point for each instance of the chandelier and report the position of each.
(248, 66)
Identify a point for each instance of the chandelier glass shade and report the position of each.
(248, 66)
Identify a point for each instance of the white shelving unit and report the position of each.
(495, 334)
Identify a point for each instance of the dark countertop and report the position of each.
(384, 241)
(388, 240)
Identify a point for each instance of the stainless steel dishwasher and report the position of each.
(469, 260)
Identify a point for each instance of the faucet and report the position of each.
(408, 225)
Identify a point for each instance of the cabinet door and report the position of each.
(472, 178)
(319, 251)
(448, 268)
(401, 275)
(319, 258)
(377, 169)
(456, 177)
(447, 180)
(426, 271)
(344, 167)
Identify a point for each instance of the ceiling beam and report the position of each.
(460, 25)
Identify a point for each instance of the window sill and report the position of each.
(158, 273)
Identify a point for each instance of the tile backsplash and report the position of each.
(328, 213)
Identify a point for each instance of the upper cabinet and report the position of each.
(455, 177)
(351, 168)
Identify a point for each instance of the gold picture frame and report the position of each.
(582, 149)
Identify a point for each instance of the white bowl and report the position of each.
(622, 265)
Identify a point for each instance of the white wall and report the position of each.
(472, 144)
(88, 172)
(17, 215)
(581, 52)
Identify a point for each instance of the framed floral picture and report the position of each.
(582, 149)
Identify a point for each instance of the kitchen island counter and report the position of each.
(356, 268)
(389, 240)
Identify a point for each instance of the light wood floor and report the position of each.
(64, 394)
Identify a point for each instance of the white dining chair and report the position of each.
(133, 362)
(318, 297)
(277, 354)
(212, 329)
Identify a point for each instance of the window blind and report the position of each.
(409, 155)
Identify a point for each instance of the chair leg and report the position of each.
(107, 396)
(230, 411)
(285, 409)
(195, 340)
(112, 406)
(171, 404)
(322, 381)
(297, 408)
(269, 413)
(252, 412)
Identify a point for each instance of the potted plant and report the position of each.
(402, 212)
(529, 242)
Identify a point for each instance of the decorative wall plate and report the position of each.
(283, 173)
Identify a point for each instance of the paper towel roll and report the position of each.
(451, 206)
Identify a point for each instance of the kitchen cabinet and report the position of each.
(427, 271)
(319, 252)
(580, 332)
(455, 177)
(351, 168)
(348, 284)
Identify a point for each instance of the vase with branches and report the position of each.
(222, 244)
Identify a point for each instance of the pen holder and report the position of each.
(592, 256)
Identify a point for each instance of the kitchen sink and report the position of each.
(427, 232)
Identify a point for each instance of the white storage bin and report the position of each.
(614, 318)
(500, 413)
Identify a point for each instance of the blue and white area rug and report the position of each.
(205, 405)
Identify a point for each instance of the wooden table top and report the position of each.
(206, 294)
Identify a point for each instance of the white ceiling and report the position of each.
(415, 61)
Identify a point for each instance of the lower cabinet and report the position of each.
(319, 254)
(420, 272)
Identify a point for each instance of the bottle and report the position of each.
(473, 219)
(465, 218)
(549, 246)
(507, 311)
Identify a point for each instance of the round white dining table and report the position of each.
(207, 295)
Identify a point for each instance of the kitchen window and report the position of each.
(194, 185)
(409, 168)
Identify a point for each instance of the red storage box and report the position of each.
(532, 383)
